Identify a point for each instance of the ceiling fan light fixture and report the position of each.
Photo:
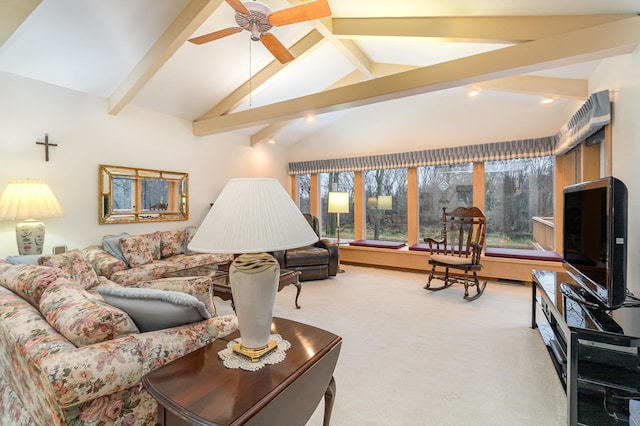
(255, 32)
(256, 21)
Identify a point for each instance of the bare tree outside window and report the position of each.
(304, 193)
(449, 186)
(336, 182)
(516, 192)
(386, 218)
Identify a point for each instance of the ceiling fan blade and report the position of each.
(215, 35)
(238, 6)
(303, 12)
(276, 48)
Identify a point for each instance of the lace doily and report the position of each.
(231, 359)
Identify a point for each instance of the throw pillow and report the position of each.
(172, 242)
(74, 264)
(27, 259)
(135, 250)
(82, 318)
(154, 244)
(189, 233)
(155, 309)
(111, 244)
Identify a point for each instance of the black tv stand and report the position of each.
(596, 352)
(578, 294)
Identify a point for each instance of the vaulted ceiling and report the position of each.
(136, 52)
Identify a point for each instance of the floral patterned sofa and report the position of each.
(128, 259)
(69, 358)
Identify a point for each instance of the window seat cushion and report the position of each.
(378, 244)
(550, 256)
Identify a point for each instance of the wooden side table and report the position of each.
(220, 278)
(198, 389)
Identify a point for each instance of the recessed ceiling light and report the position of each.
(271, 141)
(547, 100)
(474, 91)
(310, 118)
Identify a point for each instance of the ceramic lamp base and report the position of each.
(30, 237)
(254, 284)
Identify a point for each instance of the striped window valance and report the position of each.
(591, 117)
(591, 114)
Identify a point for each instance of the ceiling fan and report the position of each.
(258, 19)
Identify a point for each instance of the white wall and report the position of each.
(87, 136)
(621, 75)
(435, 120)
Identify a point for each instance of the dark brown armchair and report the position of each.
(315, 262)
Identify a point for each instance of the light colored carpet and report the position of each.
(415, 357)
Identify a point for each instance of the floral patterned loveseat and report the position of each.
(69, 358)
(128, 259)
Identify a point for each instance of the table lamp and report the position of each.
(384, 202)
(29, 200)
(250, 217)
(338, 203)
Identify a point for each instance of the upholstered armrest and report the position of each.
(332, 248)
(88, 372)
(162, 346)
(102, 262)
(198, 287)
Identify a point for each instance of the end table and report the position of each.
(198, 389)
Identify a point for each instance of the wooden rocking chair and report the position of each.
(466, 228)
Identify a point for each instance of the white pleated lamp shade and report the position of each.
(28, 199)
(338, 202)
(252, 215)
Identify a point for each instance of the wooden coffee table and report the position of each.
(198, 389)
(220, 278)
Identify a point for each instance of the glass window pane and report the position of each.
(449, 186)
(386, 204)
(304, 193)
(518, 192)
(336, 182)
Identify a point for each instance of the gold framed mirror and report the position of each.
(127, 195)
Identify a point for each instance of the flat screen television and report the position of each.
(595, 240)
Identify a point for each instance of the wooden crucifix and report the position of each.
(46, 146)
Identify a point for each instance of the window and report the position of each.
(336, 182)
(447, 186)
(304, 193)
(517, 192)
(386, 204)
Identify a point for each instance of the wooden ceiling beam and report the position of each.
(304, 45)
(486, 29)
(273, 128)
(12, 14)
(537, 85)
(349, 49)
(181, 29)
(597, 42)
